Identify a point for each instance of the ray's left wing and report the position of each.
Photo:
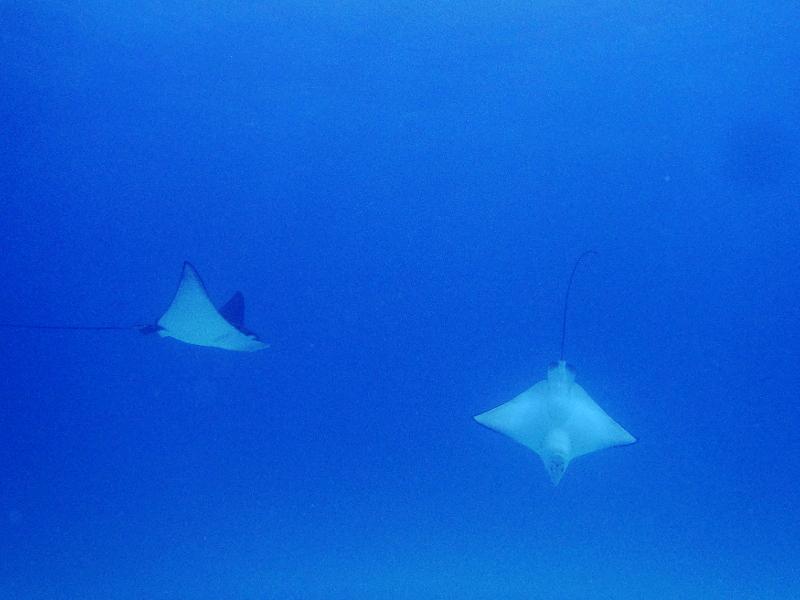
(589, 426)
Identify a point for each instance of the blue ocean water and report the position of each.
(400, 190)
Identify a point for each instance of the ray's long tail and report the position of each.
(566, 299)
(144, 329)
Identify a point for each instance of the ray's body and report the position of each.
(556, 418)
(190, 318)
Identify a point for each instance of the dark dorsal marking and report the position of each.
(233, 311)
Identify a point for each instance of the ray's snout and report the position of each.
(556, 466)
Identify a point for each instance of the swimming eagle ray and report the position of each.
(190, 318)
(556, 418)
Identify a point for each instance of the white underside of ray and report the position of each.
(193, 319)
(558, 420)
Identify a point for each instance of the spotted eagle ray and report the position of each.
(556, 418)
(190, 318)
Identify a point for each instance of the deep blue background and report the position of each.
(399, 189)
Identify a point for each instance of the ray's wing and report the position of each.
(524, 419)
(590, 428)
(191, 314)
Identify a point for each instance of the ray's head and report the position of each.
(556, 466)
(556, 454)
